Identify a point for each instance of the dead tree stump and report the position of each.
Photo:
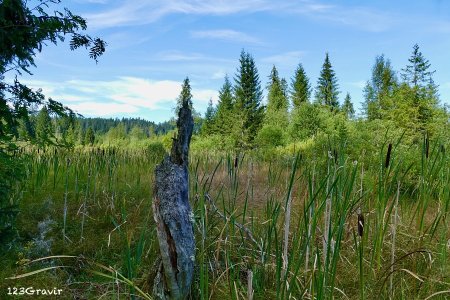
(173, 215)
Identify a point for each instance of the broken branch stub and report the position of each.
(173, 215)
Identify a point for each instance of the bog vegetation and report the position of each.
(294, 196)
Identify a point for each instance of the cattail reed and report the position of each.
(360, 223)
(250, 285)
(394, 235)
(388, 156)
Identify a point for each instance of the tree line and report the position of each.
(42, 129)
(296, 111)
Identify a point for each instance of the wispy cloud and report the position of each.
(124, 95)
(284, 59)
(358, 84)
(174, 55)
(225, 34)
(101, 109)
(140, 12)
(218, 75)
(361, 18)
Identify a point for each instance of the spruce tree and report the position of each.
(327, 87)
(185, 95)
(300, 87)
(417, 73)
(347, 107)
(208, 123)
(379, 90)
(277, 101)
(424, 91)
(44, 128)
(224, 114)
(249, 112)
(90, 137)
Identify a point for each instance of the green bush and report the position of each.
(270, 136)
(156, 150)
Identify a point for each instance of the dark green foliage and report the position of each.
(307, 121)
(271, 136)
(249, 112)
(347, 107)
(277, 97)
(102, 126)
(208, 126)
(224, 112)
(327, 89)
(185, 95)
(156, 151)
(300, 87)
(11, 173)
(44, 128)
(379, 89)
(23, 33)
(419, 77)
(417, 73)
(90, 137)
(277, 101)
(411, 104)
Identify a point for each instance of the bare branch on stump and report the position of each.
(173, 215)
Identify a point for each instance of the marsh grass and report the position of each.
(280, 229)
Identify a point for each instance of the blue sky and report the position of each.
(153, 45)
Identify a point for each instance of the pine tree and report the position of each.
(224, 115)
(44, 128)
(277, 101)
(347, 107)
(419, 77)
(249, 112)
(300, 87)
(378, 92)
(185, 95)
(26, 129)
(90, 137)
(417, 73)
(209, 121)
(327, 87)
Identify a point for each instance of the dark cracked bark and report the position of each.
(173, 215)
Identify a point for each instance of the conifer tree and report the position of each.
(277, 101)
(379, 89)
(249, 112)
(44, 128)
(209, 122)
(90, 137)
(419, 77)
(26, 129)
(224, 114)
(417, 73)
(185, 95)
(347, 107)
(327, 87)
(300, 87)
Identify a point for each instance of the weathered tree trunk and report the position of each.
(173, 215)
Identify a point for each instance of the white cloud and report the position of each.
(225, 34)
(359, 84)
(123, 95)
(218, 75)
(100, 109)
(173, 55)
(141, 12)
(284, 59)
